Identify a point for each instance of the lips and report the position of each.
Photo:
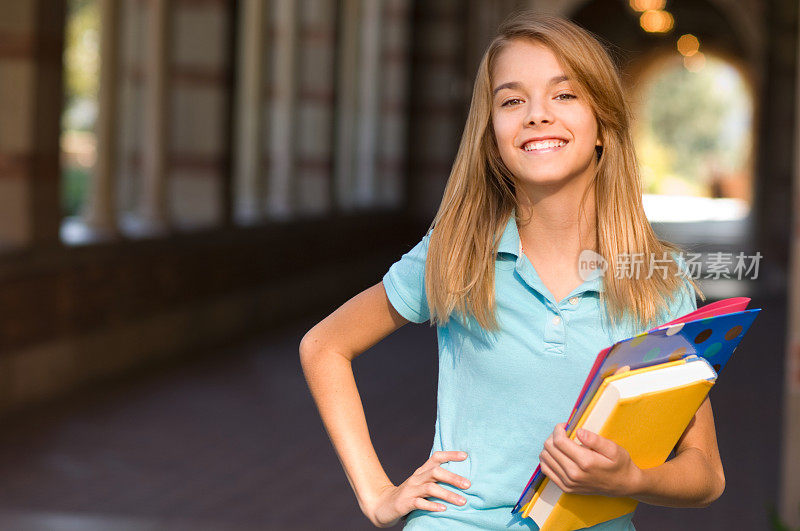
(544, 144)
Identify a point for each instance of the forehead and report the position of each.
(523, 60)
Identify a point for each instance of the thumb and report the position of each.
(598, 443)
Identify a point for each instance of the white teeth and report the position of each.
(543, 144)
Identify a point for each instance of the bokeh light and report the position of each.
(647, 5)
(654, 21)
(695, 62)
(688, 45)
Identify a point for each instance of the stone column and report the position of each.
(31, 91)
(248, 175)
(790, 464)
(280, 190)
(101, 208)
(314, 134)
(153, 213)
(395, 61)
(368, 140)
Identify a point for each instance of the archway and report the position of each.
(693, 133)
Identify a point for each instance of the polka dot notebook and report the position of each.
(712, 332)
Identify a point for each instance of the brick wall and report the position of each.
(71, 314)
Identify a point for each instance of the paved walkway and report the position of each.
(233, 441)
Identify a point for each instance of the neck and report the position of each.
(552, 226)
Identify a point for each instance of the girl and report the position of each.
(545, 171)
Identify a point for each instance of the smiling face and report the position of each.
(546, 133)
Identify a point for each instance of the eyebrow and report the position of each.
(515, 84)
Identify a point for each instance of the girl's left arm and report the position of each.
(694, 477)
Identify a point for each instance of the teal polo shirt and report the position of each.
(500, 394)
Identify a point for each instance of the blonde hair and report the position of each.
(480, 193)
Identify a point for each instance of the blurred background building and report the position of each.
(187, 186)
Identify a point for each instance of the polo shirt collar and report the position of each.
(510, 243)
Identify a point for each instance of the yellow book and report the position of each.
(645, 411)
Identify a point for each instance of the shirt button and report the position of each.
(573, 300)
(556, 320)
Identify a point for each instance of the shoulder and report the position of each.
(404, 283)
(418, 253)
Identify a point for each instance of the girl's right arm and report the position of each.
(326, 354)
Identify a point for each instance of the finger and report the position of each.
(547, 471)
(445, 476)
(622, 369)
(546, 458)
(437, 491)
(439, 457)
(605, 447)
(569, 449)
(426, 505)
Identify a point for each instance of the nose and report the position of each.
(538, 112)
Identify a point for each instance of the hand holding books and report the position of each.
(602, 467)
(645, 410)
(589, 464)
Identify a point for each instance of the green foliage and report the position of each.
(693, 123)
(686, 115)
(74, 186)
(81, 83)
(82, 50)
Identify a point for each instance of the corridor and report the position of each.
(232, 441)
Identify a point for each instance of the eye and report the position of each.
(507, 102)
(568, 96)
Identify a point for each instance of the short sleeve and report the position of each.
(405, 283)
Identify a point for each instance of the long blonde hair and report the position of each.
(480, 193)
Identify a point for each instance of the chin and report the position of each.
(545, 178)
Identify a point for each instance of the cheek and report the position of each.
(588, 127)
(506, 153)
(593, 131)
(504, 136)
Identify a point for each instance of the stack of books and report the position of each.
(645, 409)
